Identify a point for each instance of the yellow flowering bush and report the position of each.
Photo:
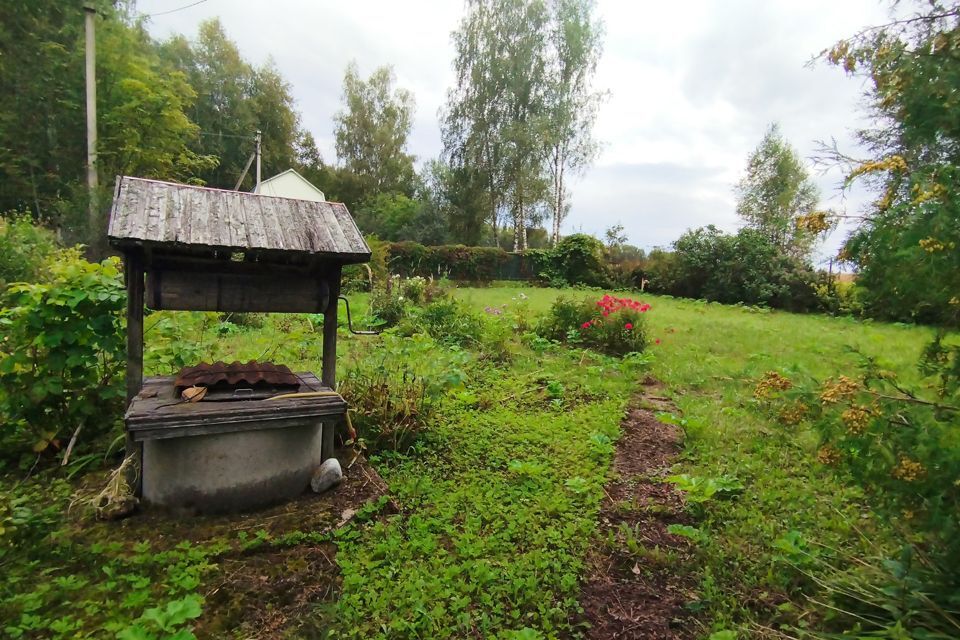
(900, 443)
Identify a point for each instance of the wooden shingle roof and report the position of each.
(156, 214)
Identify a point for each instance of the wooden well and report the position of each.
(198, 249)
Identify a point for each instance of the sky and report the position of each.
(692, 87)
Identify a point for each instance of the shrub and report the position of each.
(900, 444)
(577, 259)
(838, 298)
(394, 392)
(615, 326)
(62, 355)
(745, 268)
(414, 289)
(457, 262)
(361, 277)
(448, 322)
(25, 249)
(387, 304)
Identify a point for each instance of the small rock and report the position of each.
(328, 475)
(118, 508)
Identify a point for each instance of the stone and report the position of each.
(327, 475)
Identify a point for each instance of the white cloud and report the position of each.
(692, 87)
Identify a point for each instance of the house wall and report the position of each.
(290, 185)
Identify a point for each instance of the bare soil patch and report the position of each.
(637, 586)
(276, 587)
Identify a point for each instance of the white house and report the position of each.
(290, 184)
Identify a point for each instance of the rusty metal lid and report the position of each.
(236, 373)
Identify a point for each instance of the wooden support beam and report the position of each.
(133, 270)
(329, 376)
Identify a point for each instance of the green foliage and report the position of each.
(699, 490)
(394, 394)
(165, 623)
(447, 322)
(233, 100)
(901, 446)
(25, 250)
(615, 326)
(839, 298)
(362, 277)
(906, 244)
(62, 355)
(457, 262)
(391, 216)
(777, 193)
(371, 132)
(746, 268)
(102, 585)
(577, 259)
(387, 304)
(174, 340)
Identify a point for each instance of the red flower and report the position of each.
(657, 341)
(585, 325)
(628, 326)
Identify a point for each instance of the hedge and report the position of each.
(577, 259)
(457, 262)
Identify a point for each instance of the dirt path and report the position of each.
(636, 585)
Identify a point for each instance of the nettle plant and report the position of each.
(62, 355)
(611, 325)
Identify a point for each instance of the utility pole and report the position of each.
(93, 215)
(258, 160)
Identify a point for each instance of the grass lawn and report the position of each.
(498, 498)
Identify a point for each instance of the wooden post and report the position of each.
(329, 377)
(133, 270)
(329, 374)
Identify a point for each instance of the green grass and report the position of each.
(710, 357)
(498, 499)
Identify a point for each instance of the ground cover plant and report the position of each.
(497, 480)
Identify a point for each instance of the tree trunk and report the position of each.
(517, 225)
(557, 201)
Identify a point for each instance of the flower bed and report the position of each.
(612, 325)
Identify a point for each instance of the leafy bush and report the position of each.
(62, 355)
(394, 394)
(173, 340)
(457, 262)
(25, 249)
(839, 298)
(361, 277)
(615, 326)
(746, 267)
(900, 444)
(447, 322)
(414, 289)
(577, 259)
(387, 304)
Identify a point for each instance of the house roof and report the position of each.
(265, 186)
(166, 214)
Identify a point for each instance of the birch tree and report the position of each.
(372, 130)
(568, 144)
(496, 113)
(775, 192)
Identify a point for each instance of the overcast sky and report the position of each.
(693, 85)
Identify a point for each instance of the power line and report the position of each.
(163, 13)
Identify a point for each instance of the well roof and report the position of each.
(159, 214)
